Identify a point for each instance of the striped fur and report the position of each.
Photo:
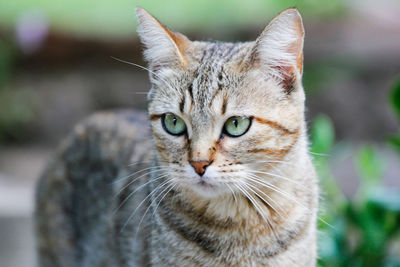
(257, 201)
(262, 79)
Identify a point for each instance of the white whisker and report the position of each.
(137, 189)
(170, 186)
(258, 180)
(258, 208)
(141, 203)
(130, 175)
(144, 68)
(282, 177)
(269, 204)
(137, 178)
(233, 193)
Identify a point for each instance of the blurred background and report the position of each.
(56, 69)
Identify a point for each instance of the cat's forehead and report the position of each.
(213, 71)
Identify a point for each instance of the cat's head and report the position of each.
(221, 113)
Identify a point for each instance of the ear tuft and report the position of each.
(163, 47)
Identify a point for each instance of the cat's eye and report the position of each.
(237, 126)
(173, 124)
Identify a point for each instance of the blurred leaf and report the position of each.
(322, 135)
(16, 112)
(369, 165)
(395, 97)
(388, 199)
(395, 142)
(7, 55)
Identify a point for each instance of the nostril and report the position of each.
(200, 166)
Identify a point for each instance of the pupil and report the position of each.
(174, 120)
(235, 122)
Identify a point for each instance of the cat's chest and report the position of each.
(179, 237)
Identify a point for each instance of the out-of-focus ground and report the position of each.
(350, 63)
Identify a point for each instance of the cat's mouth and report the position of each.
(206, 189)
(204, 184)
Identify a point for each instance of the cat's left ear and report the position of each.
(163, 47)
(278, 51)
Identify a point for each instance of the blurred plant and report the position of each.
(104, 18)
(395, 101)
(16, 109)
(16, 114)
(7, 58)
(365, 229)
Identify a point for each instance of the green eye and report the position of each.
(237, 126)
(173, 124)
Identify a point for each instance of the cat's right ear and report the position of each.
(162, 46)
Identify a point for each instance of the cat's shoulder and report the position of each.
(78, 183)
(105, 142)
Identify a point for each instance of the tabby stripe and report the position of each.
(215, 94)
(190, 89)
(276, 152)
(224, 104)
(275, 125)
(182, 104)
(270, 151)
(187, 231)
(284, 244)
(154, 117)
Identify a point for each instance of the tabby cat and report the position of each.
(226, 179)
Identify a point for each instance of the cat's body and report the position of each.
(208, 195)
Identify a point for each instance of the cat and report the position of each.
(225, 180)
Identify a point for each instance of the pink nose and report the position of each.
(200, 166)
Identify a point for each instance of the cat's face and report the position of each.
(221, 112)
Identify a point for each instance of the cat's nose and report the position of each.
(200, 165)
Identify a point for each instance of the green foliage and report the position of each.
(7, 52)
(16, 113)
(365, 229)
(16, 108)
(322, 135)
(370, 167)
(395, 97)
(395, 101)
(104, 18)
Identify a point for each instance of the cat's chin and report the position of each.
(207, 190)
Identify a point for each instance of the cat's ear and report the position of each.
(163, 47)
(279, 49)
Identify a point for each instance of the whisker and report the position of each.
(257, 207)
(149, 207)
(139, 162)
(144, 68)
(257, 179)
(233, 193)
(282, 177)
(319, 154)
(137, 189)
(130, 175)
(159, 202)
(137, 178)
(141, 203)
(271, 161)
(265, 199)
